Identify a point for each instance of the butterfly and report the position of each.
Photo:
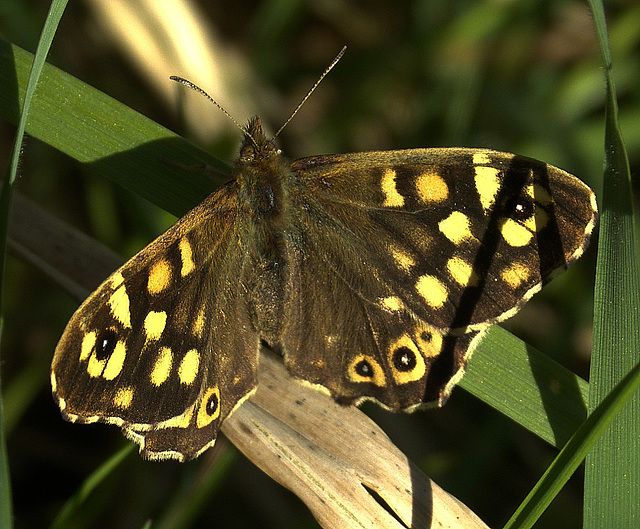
(374, 275)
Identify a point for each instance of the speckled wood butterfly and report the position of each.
(373, 274)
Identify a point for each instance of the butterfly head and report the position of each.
(255, 145)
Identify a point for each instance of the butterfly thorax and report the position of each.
(260, 173)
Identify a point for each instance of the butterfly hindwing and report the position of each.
(138, 351)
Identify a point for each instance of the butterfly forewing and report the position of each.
(137, 352)
(446, 228)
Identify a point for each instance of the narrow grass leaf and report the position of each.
(612, 474)
(48, 32)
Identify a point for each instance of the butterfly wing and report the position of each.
(409, 256)
(164, 348)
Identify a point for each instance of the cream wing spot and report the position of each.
(162, 367)
(432, 290)
(515, 274)
(115, 361)
(123, 397)
(159, 277)
(487, 182)
(456, 227)
(199, 323)
(189, 366)
(481, 158)
(515, 234)
(403, 258)
(186, 256)
(154, 324)
(88, 343)
(392, 303)
(392, 198)
(462, 272)
(95, 366)
(119, 306)
(431, 187)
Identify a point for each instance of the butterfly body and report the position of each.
(373, 274)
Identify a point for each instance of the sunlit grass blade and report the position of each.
(571, 456)
(612, 474)
(48, 32)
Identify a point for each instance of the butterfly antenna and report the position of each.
(196, 88)
(304, 99)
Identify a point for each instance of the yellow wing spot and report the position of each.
(406, 361)
(209, 408)
(123, 397)
(95, 366)
(189, 365)
(462, 272)
(115, 362)
(159, 277)
(186, 255)
(540, 195)
(481, 158)
(515, 275)
(88, 343)
(388, 185)
(198, 324)
(364, 369)
(515, 234)
(391, 303)
(456, 227)
(154, 324)
(181, 421)
(403, 259)
(119, 305)
(431, 188)
(540, 220)
(162, 367)
(432, 291)
(116, 280)
(487, 184)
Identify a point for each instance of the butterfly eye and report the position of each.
(404, 359)
(105, 344)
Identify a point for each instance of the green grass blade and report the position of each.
(574, 452)
(103, 471)
(612, 474)
(109, 137)
(48, 32)
(527, 386)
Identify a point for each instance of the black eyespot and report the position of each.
(212, 403)
(522, 209)
(364, 369)
(404, 359)
(105, 344)
(426, 336)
